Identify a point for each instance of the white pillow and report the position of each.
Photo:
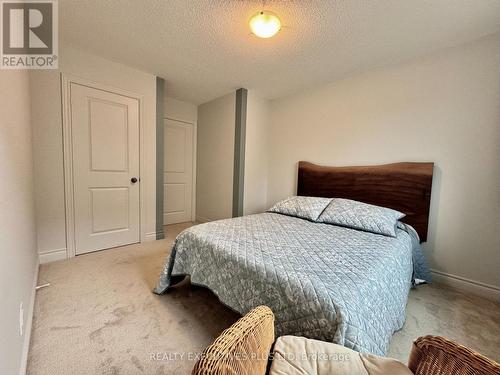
(304, 207)
(362, 216)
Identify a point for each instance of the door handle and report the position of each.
(134, 180)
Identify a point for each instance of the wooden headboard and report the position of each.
(405, 187)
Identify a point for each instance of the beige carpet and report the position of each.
(100, 317)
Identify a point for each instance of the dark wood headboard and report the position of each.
(405, 187)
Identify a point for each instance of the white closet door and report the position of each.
(105, 136)
(178, 172)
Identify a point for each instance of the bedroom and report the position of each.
(217, 121)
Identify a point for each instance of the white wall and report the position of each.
(215, 158)
(216, 128)
(256, 152)
(179, 110)
(443, 108)
(47, 133)
(18, 257)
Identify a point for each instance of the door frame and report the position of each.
(194, 124)
(66, 81)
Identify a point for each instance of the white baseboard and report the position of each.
(466, 285)
(151, 236)
(29, 324)
(201, 219)
(52, 256)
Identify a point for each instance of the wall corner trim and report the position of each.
(29, 324)
(160, 235)
(239, 151)
(160, 152)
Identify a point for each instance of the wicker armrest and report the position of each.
(433, 355)
(243, 348)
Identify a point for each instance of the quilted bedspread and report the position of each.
(321, 281)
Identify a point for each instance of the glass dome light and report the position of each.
(265, 24)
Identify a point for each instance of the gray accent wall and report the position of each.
(239, 152)
(160, 152)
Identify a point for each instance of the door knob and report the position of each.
(133, 180)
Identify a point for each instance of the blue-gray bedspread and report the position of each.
(321, 281)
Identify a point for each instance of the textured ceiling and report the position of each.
(203, 48)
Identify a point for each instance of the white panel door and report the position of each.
(178, 172)
(105, 138)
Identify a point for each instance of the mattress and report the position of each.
(322, 281)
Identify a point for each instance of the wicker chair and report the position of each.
(434, 355)
(242, 349)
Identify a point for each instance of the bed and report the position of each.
(322, 281)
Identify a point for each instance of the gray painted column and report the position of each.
(239, 152)
(160, 152)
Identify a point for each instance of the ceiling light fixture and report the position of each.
(265, 24)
